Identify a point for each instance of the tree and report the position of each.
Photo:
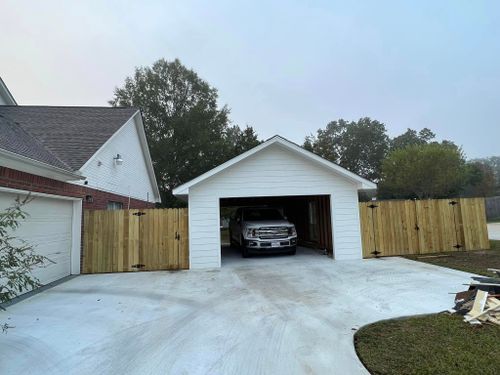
(357, 146)
(240, 141)
(187, 132)
(423, 171)
(411, 137)
(493, 162)
(17, 257)
(480, 180)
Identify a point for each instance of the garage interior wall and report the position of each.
(310, 215)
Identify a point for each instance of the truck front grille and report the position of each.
(266, 233)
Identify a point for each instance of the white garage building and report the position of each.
(277, 172)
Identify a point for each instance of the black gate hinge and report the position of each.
(372, 206)
(139, 214)
(453, 203)
(457, 246)
(138, 265)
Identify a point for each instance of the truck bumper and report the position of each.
(267, 246)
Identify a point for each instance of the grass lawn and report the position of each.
(433, 344)
(476, 261)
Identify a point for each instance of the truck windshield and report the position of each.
(256, 214)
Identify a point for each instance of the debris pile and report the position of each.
(481, 303)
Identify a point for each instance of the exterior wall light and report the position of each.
(118, 159)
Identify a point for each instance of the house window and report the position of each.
(115, 205)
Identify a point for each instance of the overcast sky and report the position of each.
(284, 67)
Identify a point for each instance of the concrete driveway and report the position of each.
(278, 315)
(494, 231)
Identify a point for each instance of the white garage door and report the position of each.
(48, 228)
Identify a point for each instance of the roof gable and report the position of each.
(131, 143)
(360, 181)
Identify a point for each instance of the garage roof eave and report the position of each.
(370, 186)
(360, 182)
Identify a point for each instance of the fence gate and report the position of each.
(426, 226)
(134, 240)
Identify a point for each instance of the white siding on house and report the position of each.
(130, 178)
(273, 171)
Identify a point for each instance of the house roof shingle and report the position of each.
(15, 139)
(65, 137)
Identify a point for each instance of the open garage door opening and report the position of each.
(266, 226)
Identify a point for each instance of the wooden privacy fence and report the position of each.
(423, 226)
(133, 240)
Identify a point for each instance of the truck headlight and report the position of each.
(292, 231)
(251, 233)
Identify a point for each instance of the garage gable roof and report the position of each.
(360, 181)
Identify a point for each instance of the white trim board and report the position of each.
(37, 194)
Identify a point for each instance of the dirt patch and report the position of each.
(477, 261)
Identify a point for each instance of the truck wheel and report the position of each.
(293, 251)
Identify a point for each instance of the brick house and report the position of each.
(69, 159)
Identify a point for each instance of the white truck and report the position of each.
(262, 230)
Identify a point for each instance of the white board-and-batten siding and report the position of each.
(129, 179)
(274, 171)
